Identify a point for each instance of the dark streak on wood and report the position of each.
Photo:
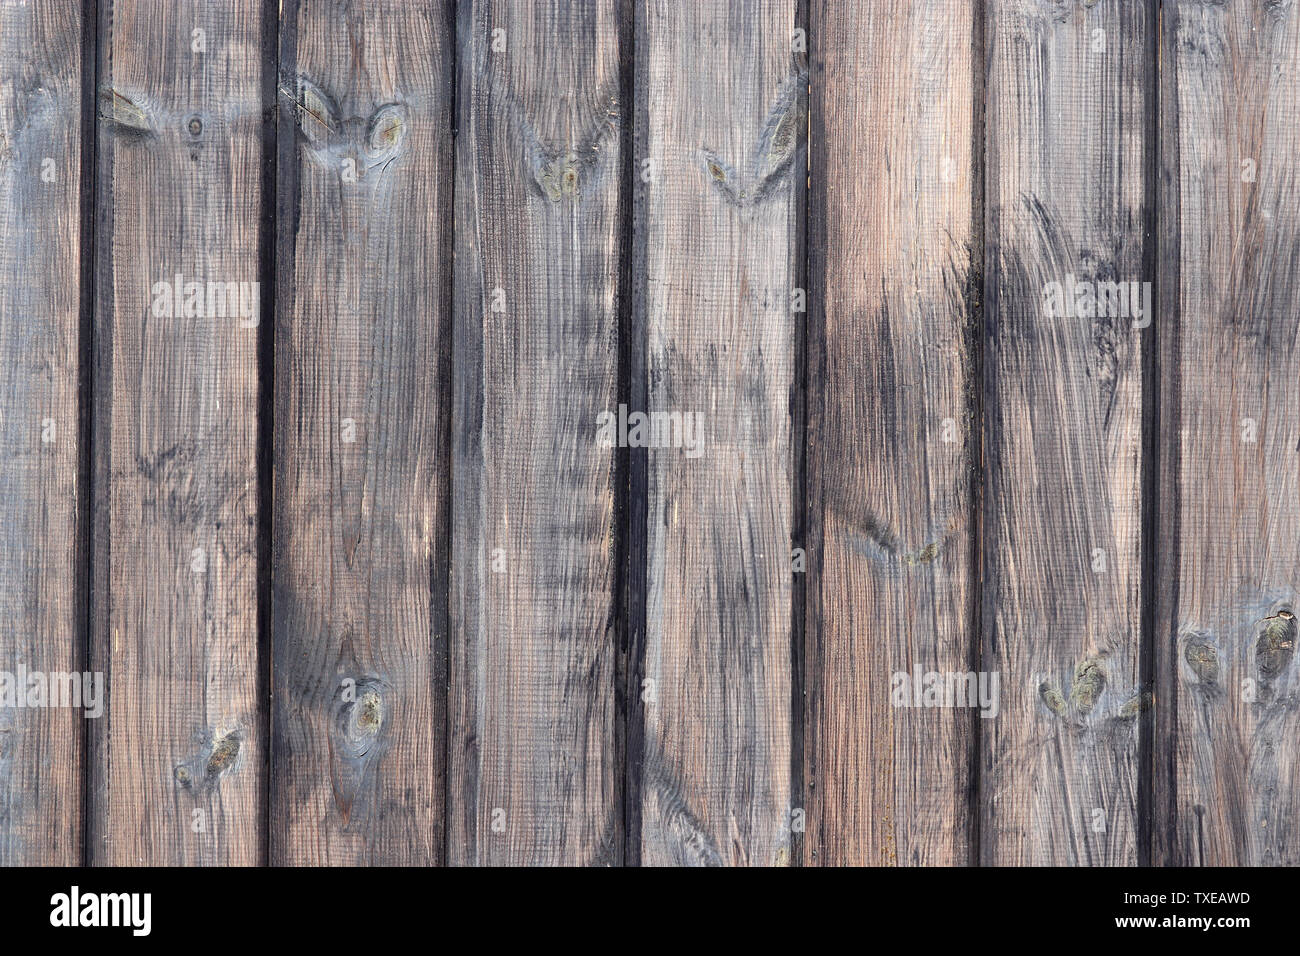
(630, 464)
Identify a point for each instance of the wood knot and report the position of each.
(1088, 685)
(1053, 699)
(386, 132)
(1202, 659)
(361, 712)
(217, 756)
(558, 179)
(360, 715)
(1275, 644)
(222, 758)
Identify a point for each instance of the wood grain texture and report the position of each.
(326, 345)
(722, 117)
(1227, 773)
(178, 760)
(362, 339)
(1065, 141)
(533, 759)
(41, 757)
(891, 581)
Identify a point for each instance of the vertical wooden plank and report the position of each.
(40, 268)
(533, 759)
(722, 121)
(1066, 141)
(1227, 773)
(360, 519)
(178, 761)
(894, 244)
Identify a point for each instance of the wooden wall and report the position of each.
(379, 565)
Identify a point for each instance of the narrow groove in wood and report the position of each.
(440, 574)
(101, 545)
(800, 505)
(267, 273)
(1166, 541)
(975, 392)
(1151, 445)
(629, 476)
(86, 386)
(286, 208)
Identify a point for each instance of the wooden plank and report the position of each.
(1227, 774)
(533, 755)
(894, 259)
(1066, 141)
(177, 772)
(721, 118)
(361, 464)
(41, 758)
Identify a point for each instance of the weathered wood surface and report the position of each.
(360, 518)
(891, 430)
(1062, 428)
(41, 498)
(178, 758)
(721, 113)
(534, 773)
(371, 576)
(1227, 772)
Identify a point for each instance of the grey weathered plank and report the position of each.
(41, 757)
(892, 373)
(533, 760)
(721, 118)
(361, 464)
(1065, 141)
(177, 774)
(1227, 769)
